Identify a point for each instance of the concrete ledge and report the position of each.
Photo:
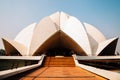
(21, 57)
(105, 73)
(96, 57)
(8, 73)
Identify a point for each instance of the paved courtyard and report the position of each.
(61, 73)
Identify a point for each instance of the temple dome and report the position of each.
(60, 30)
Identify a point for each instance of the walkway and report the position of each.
(58, 68)
(61, 73)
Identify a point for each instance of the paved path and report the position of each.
(61, 73)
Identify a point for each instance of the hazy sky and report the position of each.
(17, 14)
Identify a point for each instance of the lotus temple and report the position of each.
(60, 47)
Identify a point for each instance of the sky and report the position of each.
(17, 14)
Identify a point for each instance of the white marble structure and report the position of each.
(60, 30)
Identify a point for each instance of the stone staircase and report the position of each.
(59, 62)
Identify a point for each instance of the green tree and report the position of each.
(2, 52)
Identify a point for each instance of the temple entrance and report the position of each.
(59, 52)
(60, 44)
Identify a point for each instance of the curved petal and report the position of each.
(25, 36)
(11, 45)
(44, 29)
(106, 44)
(74, 29)
(94, 33)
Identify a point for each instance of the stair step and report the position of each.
(59, 62)
(59, 66)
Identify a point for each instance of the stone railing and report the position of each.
(104, 73)
(11, 72)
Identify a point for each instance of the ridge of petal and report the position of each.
(56, 18)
